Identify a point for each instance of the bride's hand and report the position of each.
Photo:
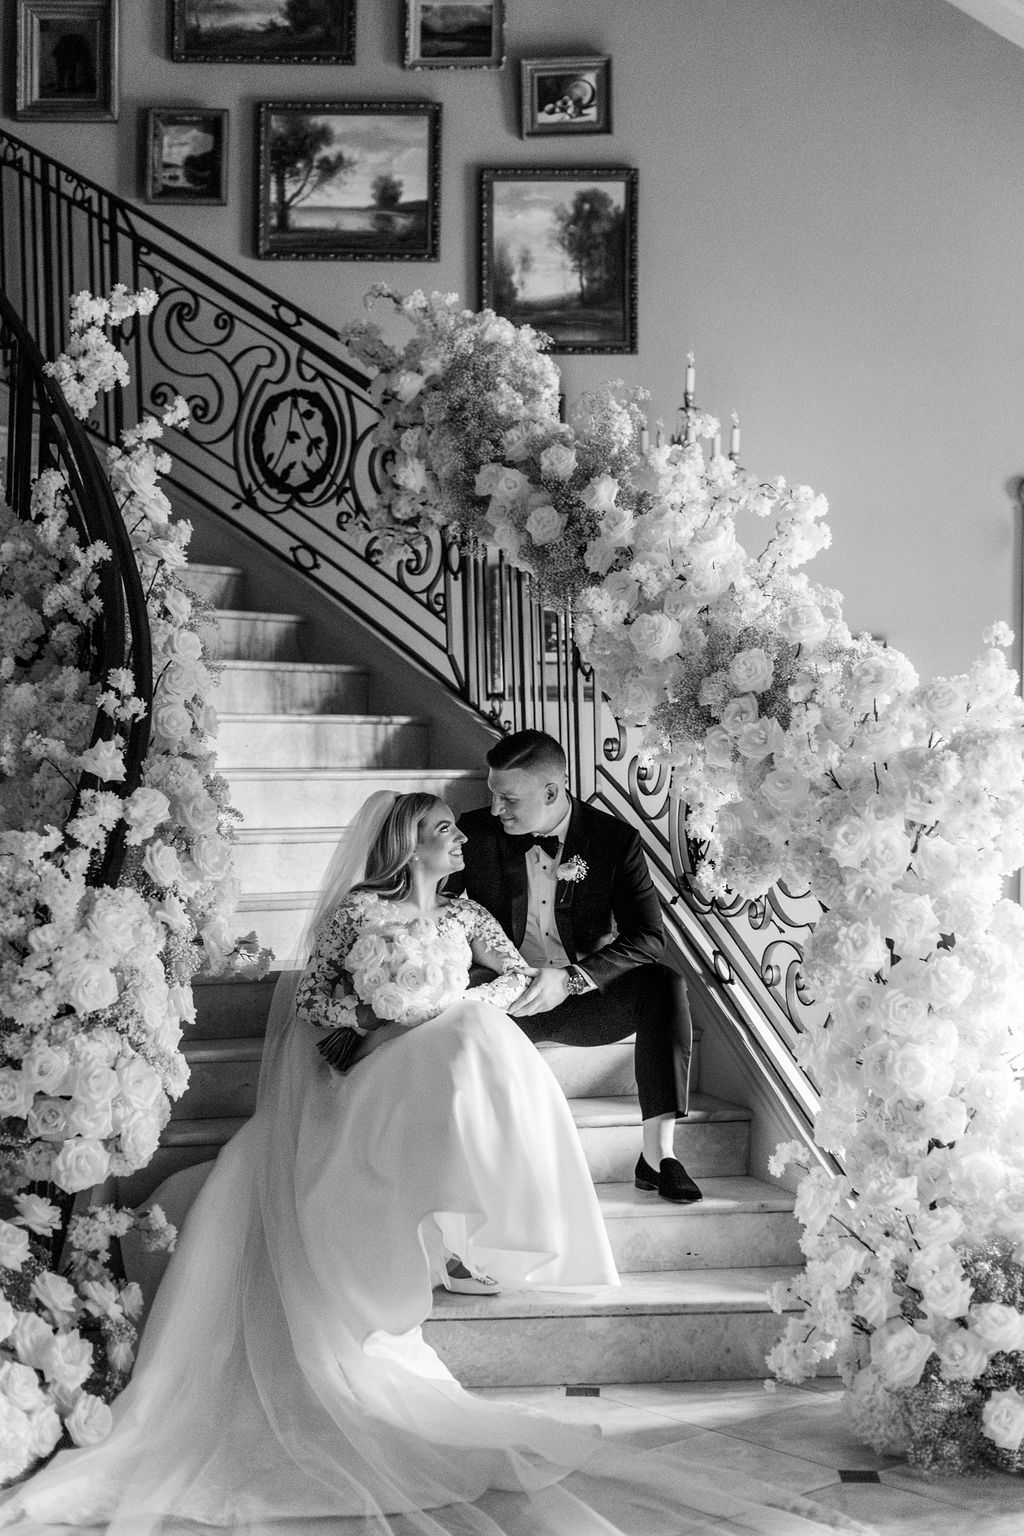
(549, 987)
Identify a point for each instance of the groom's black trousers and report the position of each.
(650, 1001)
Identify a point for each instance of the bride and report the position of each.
(283, 1383)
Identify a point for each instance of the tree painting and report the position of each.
(560, 256)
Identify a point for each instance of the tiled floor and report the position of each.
(796, 1438)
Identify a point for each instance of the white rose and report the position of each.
(8, 1318)
(144, 810)
(37, 1213)
(48, 1119)
(14, 1249)
(508, 485)
(172, 722)
(16, 1451)
(138, 1084)
(940, 1227)
(739, 712)
(962, 1356)
(31, 1338)
(599, 495)
(81, 1162)
(45, 1067)
(90, 1420)
(1002, 1419)
(105, 760)
(15, 1093)
(161, 863)
(945, 1120)
(92, 986)
(902, 1012)
(916, 1074)
(759, 739)
(851, 838)
(557, 462)
(45, 1429)
(177, 605)
(786, 788)
(218, 940)
(899, 1353)
(816, 1200)
(20, 1385)
(999, 1327)
(947, 1294)
(212, 857)
(718, 747)
(388, 1002)
(197, 812)
(545, 525)
(804, 624)
(139, 1135)
(750, 671)
(56, 1295)
(654, 636)
(861, 947)
(68, 1360)
(876, 1301)
(944, 701)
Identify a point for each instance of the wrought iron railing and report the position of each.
(43, 434)
(280, 447)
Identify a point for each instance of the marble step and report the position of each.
(301, 742)
(322, 797)
(238, 634)
(221, 585)
(290, 687)
(673, 1325)
(648, 1233)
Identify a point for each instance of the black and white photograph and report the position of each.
(558, 252)
(567, 96)
(264, 31)
(454, 34)
(66, 60)
(349, 181)
(186, 155)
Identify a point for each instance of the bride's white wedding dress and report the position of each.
(283, 1383)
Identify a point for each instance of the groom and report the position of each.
(570, 886)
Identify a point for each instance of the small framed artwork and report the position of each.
(565, 96)
(66, 60)
(348, 180)
(264, 31)
(558, 252)
(186, 155)
(450, 34)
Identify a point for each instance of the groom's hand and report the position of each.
(548, 988)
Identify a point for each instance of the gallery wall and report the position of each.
(831, 198)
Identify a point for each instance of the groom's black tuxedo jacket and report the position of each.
(610, 921)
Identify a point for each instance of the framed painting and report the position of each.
(348, 180)
(453, 34)
(558, 252)
(66, 60)
(264, 31)
(186, 155)
(565, 96)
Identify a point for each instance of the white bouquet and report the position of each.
(408, 972)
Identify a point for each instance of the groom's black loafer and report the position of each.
(671, 1182)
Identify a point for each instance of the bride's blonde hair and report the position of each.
(387, 863)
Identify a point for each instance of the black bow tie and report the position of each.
(528, 840)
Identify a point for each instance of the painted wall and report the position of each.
(831, 216)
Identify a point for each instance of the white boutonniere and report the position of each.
(574, 869)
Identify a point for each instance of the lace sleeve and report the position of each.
(493, 948)
(325, 996)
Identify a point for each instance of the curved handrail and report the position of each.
(42, 433)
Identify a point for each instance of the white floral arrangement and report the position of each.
(407, 973)
(95, 981)
(812, 756)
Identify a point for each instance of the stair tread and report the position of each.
(731, 1194)
(229, 717)
(647, 1291)
(219, 570)
(258, 613)
(623, 1109)
(332, 668)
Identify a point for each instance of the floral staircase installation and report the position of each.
(695, 1300)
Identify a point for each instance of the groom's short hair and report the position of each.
(535, 751)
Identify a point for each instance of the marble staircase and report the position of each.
(300, 749)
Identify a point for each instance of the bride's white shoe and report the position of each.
(458, 1277)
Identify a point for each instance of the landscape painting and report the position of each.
(559, 253)
(187, 155)
(349, 181)
(453, 34)
(264, 31)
